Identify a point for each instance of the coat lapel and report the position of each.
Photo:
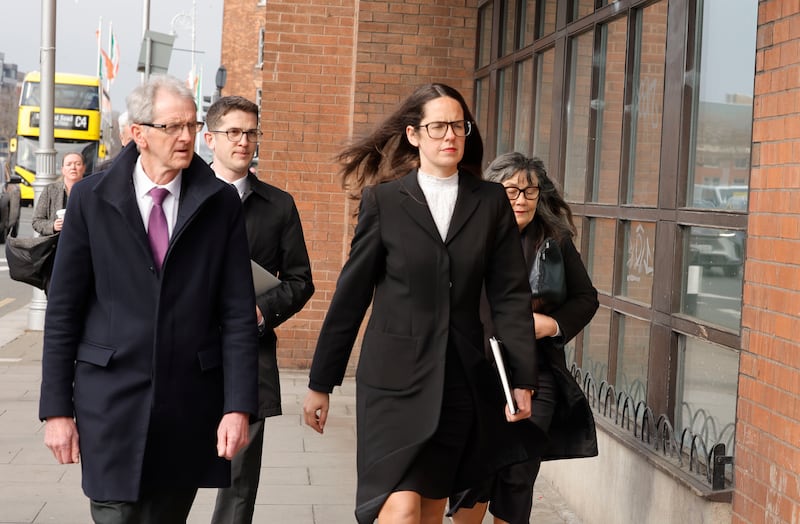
(466, 204)
(528, 248)
(198, 183)
(416, 205)
(116, 188)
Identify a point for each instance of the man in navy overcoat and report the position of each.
(149, 364)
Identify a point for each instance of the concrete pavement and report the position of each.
(306, 478)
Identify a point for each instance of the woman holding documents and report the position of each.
(431, 416)
(561, 311)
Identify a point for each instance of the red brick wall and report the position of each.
(333, 68)
(404, 44)
(241, 22)
(767, 487)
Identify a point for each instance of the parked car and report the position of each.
(10, 202)
(722, 248)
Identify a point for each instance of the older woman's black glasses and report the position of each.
(438, 130)
(234, 134)
(530, 192)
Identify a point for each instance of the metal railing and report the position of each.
(687, 449)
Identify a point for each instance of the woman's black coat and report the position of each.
(425, 295)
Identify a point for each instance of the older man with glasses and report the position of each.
(150, 350)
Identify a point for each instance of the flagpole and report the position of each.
(110, 50)
(198, 97)
(99, 47)
(194, 23)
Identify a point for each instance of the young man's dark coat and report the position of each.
(276, 241)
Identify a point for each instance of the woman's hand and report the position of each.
(522, 398)
(58, 224)
(545, 326)
(315, 410)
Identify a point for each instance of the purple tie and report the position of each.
(157, 230)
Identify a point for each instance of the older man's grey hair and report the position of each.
(140, 100)
(123, 119)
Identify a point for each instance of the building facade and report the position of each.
(10, 83)
(673, 129)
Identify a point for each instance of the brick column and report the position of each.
(767, 488)
(333, 69)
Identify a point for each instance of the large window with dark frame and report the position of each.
(648, 132)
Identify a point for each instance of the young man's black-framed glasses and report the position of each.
(234, 134)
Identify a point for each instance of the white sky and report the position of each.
(76, 44)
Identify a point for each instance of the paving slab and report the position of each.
(307, 478)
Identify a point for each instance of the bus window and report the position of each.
(30, 94)
(66, 96)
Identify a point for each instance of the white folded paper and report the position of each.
(263, 280)
(501, 370)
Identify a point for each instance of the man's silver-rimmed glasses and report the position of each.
(176, 129)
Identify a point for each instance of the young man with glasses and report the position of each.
(276, 241)
(150, 351)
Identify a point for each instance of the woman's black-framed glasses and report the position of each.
(234, 134)
(530, 192)
(438, 130)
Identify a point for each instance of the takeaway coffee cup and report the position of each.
(60, 213)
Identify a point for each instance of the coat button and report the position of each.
(451, 284)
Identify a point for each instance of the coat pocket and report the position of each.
(210, 358)
(94, 354)
(387, 361)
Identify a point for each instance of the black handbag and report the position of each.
(30, 259)
(547, 279)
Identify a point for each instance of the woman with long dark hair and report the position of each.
(430, 413)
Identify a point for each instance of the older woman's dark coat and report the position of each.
(426, 296)
(572, 429)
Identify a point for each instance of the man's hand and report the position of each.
(58, 224)
(61, 436)
(522, 398)
(315, 410)
(232, 434)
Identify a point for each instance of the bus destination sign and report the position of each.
(64, 121)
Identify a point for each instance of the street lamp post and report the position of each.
(46, 154)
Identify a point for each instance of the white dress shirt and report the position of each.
(441, 195)
(142, 186)
(241, 185)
